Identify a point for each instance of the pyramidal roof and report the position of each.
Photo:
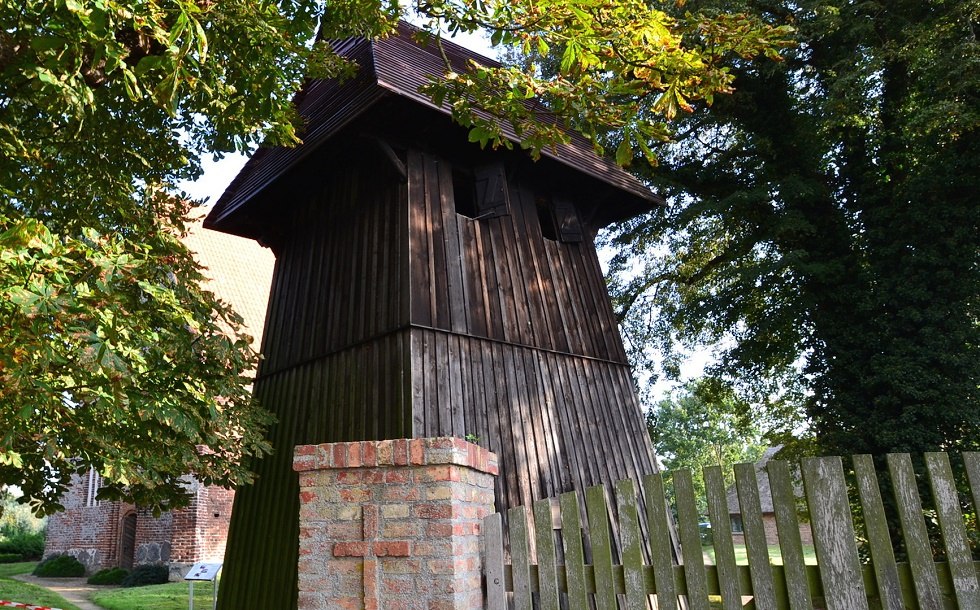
(398, 66)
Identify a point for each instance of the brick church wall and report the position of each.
(90, 529)
(153, 537)
(201, 529)
(86, 529)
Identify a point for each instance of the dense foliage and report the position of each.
(108, 576)
(59, 566)
(823, 231)
(111, 355)
(704, 425)
(147, 574)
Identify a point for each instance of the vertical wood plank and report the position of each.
(544, 536)
(631, 541)
(876, 529)
(721, 535)
(602, 561)
(687, 526)
(833, 534)
(571, 535)
(914, 530)
(788, 530)
(662, 555)
(756, 548)
(520, 557)
(958, 556)
(493, 561)
(454, 263)
(971, 459)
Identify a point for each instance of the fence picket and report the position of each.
(493, 544)
(876, 529)
(914, 530)
(833, 534)
(721, 537)
(571, 535)
(972, 461)
(544, 538)
(788, 531)
(662, 556)
(687, 527)
(958, 555)
(520, 557)
(631, 541)
(602, 561)
(756, 549)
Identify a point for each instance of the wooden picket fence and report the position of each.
(607, 570)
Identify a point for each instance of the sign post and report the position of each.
(202, 571)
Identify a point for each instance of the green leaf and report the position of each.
(624, 152)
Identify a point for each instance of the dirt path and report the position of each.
(75, 590)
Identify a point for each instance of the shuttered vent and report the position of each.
(559, 220)
(482, 192)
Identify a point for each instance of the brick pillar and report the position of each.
(392, 525)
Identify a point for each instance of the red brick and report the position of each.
(433, 511)
(305, 497)
(400, 452)
(416, 451)
(339, 455)
(398, 475)
(353, 454)
(369, 453)
(369, 528)
(349, 549)
(392, 548)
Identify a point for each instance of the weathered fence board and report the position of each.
(958, 557)
(971, 459)
(914, 530)
(544, 537)
(687, 528)
(662, 556)
(788, 530)
(574, 553)
(520, 556)
(876, 530)
(599, 536)
(493, 562)
(833, 534)
(721, 536)
(747, 486)
(617, 569)
(631, 542)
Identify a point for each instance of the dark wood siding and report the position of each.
(556, 421)
(514, 343)
(500, 278)
(336, 362)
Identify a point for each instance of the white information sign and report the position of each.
(203, 571)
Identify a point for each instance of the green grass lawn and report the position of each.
(809, 556)
(171, 596)
(17, 591)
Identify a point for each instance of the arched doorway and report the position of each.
(127, 541)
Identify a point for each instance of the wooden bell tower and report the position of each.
(425, 287)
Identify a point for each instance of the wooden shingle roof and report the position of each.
(396, 67)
